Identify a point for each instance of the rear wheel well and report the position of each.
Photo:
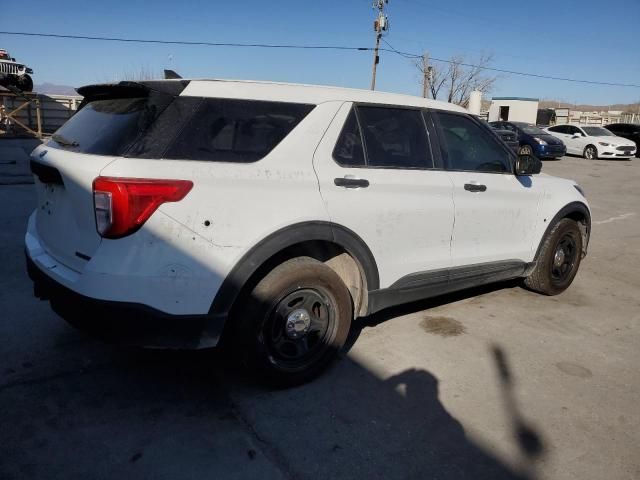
(331, 254)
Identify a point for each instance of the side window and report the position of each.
(574, 130)
(225, 130)
(348, 151)
(394, 137)
(469, 147)
(559, 129)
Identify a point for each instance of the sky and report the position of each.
(588, 39)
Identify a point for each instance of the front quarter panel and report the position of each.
(559, 195)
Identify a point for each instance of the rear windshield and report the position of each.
(182, 128)
(106, 127)
(531, 129)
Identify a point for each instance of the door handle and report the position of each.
(348, 182)
(474, 187)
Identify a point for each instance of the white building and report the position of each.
(515, 109)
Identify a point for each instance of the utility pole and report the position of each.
(426, 75)
(380, 25)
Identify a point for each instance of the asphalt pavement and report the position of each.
(493, 383)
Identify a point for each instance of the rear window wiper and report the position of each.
(64, 141)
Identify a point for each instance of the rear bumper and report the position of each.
(125, 323)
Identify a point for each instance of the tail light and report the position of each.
(122, 205)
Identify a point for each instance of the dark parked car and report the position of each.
(507, 136)
(533, 140)
(630, 131)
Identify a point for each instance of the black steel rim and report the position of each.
(567, 249)
(299, 353)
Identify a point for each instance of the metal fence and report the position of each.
(40, 114)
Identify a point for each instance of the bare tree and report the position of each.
(457, 78)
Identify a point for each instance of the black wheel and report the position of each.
(525, 150)
(559, 259)
(294, 322)
(25, 83)
(590, 152)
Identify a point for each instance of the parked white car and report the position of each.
(272, 215)
(593, 142)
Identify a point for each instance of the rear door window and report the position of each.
(384, 137)
(394, 137)
(226, 130)
(558, 129)
(348, 151)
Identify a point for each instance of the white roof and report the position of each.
(299, 93)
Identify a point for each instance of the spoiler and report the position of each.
(128, 89)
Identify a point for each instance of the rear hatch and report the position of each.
(110, 121)
(65, 219)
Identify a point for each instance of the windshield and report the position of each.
(105, 127)
(597, 132)
(530, 129)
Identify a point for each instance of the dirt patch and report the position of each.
(442, 326)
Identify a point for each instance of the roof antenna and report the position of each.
(171, 75)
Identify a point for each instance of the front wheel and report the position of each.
(294, 322)
(590, 153)
(559, 259)
(24, 83)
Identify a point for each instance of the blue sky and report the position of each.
(586, 39)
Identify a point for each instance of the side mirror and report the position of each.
(527, 165)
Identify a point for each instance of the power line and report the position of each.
(182, 42)
(408, 55)
(512, 72)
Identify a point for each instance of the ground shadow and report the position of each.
(122, 413)
(177, 415)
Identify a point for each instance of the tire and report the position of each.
(590, 152)
(525, 150)
(555, 271)
(294, 323)
(25, 83)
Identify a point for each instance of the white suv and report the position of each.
(176, 213)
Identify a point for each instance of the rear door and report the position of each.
(65, 167)
(377, 177)
(495, 211)
(562, 132)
